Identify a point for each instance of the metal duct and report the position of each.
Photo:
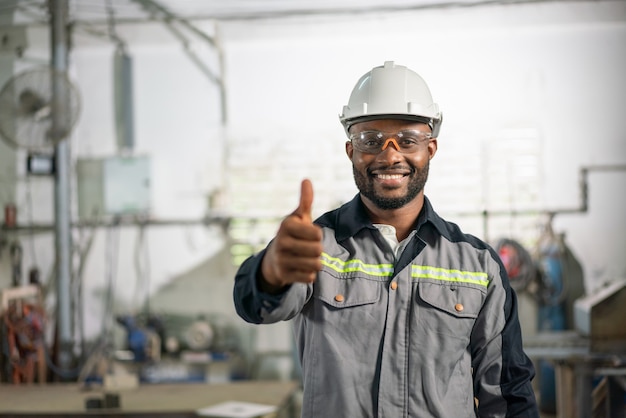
(123, 85)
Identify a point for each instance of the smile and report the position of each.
(389, 176)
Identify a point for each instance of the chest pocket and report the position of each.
(347, 291)
(459, 301)
(447, 312)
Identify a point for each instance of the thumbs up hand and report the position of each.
(306, 202)
(294, 254)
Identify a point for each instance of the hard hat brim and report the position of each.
(433, 123)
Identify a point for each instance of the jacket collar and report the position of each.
(354, 218)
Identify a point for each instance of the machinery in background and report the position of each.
(601, 317)
(518, 263)
(590, 359)
(22, 326)
(551, 309)
(548, 275)
(175, 348)
(198, 336)
(143, 340)
(146, 337)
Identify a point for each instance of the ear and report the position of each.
(349, 149)
(432, 148)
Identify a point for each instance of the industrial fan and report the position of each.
(38, 109)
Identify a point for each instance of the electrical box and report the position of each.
(113, 186)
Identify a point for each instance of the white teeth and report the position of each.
(390, 176)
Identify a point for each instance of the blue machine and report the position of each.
(140, 338)
(546, 270)
(136, 338)
(551, 314)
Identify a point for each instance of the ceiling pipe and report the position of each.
(582, 208)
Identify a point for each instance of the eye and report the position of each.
(371, 139)
(412, 137)
(408, 142)
(372, 142)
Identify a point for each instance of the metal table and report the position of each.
(153, 400)
(577, 363)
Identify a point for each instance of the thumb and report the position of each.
(306, 201)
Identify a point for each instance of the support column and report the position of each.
(59, 12)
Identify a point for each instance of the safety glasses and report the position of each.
(374, 142)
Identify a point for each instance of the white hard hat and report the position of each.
(391, 92)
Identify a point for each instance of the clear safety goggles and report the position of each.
(374, 142)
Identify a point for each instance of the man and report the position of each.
(397, 313)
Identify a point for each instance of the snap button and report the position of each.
(394, 285)
(339, 298)
(459, 307)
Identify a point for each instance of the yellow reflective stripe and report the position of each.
(438, 273)
(353, 265)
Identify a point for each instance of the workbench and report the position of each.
(152, 400)
(577, 363)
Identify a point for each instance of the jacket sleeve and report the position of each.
(502, 371)
(257, 307)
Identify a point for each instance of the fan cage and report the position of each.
(32, 116)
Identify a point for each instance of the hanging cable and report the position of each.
(82, 252)
(29, 214)
(112, 254)
(111, 28)
(142, 289)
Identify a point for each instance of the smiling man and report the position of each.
(396, 312)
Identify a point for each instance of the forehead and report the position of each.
(389, 125)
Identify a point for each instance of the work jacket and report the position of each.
(434, 334)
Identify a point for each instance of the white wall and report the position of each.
(553, 69)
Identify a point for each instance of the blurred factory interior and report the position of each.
(176, 140)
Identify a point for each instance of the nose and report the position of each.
(390, 140)
(389, 154)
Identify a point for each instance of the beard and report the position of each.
(416, 184)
